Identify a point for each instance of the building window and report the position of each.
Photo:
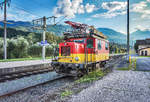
(146, 53)
(142, 53)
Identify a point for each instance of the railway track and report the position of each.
(12, 76)
(20, 74)
(31, 86)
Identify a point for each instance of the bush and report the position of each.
(1, 48)
(18, 48)
(35, 50)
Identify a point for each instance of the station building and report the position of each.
(143, 47)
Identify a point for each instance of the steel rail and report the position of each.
(28, 87)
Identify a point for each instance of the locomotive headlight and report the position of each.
(56, 58)
(77, 58)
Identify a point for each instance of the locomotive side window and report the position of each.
(79, 41)
(99, 45)
(106, 46)
(89, 43)
(65, 51)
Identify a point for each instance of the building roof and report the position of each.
(143, 42)
(144, 48)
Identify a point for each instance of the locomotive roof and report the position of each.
(94, 34)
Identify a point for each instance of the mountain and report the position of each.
(16, 23)
(58, 29)
(139, 35)
(11, 32)
(113, 36)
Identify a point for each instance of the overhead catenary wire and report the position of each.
(23, 9)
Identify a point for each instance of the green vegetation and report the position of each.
(66, 93)
(95, 75)
(124, 68)
(117, 48)
(26, 46)
(143, 56)
(134, 61)
(13, 33)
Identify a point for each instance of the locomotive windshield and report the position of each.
(89, 43)
(65, 51)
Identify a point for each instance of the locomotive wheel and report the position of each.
(93, 67)
(57, 70)
(102, 64)
(87, 70)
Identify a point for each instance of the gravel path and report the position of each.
(118, 86)
(22, 63)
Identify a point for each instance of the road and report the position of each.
(143, 64)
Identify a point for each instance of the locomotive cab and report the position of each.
(70, 56)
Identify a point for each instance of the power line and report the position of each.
(23, 9)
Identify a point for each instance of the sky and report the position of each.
(99, 13)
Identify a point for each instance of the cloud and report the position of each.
(109, 14)
(148, 0)
(81, 9)
(142, 28)
(71, 8)
(18, 15)
(142, 8)
(114, 8)
(90, 8)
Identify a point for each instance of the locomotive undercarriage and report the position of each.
(72, 69)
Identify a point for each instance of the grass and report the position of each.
(143, 56)
(23, 59)
(66, 93)
(124, 68)
(95, 75)
(135, 63)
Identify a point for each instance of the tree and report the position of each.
(1, 48)
(18, 48)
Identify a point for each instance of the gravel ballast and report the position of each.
(31, 94)
(118, 86)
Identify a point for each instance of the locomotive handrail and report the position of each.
(65, 57)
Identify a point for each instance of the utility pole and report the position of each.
(5, 31)
(42, 22)
(44, 32)
(128, 28)
(5, 3)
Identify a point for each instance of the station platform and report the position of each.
(18, 66)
